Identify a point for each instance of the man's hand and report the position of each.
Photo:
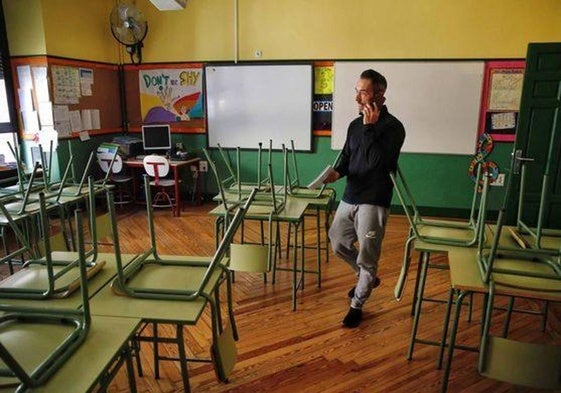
(332, 176)
(370, 113)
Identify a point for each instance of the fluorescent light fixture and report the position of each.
(169, 5)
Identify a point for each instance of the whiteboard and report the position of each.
(438, 102)
(248, 104)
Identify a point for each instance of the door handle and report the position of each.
(518, 160)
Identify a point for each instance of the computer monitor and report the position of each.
(156, 137)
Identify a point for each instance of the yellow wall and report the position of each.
(203, 31)
(79, 29)
(362, 29)
(24, 26)
(350, 29)
(289, 29)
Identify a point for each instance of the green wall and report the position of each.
(439, 182)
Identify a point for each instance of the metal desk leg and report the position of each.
(318, 247)
(425, 256)
(182, 358)
(444, 334)
(452, 342)
(177, 191)
(295, 267)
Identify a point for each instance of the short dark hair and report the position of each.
(378, 80)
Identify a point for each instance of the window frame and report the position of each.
(11, 126)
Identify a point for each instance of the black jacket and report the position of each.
(369, 154)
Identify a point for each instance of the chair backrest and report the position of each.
(110, 162)
(156, 166)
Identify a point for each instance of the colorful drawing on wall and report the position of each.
(171, 95)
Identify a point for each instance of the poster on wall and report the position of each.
(502, 91)
(171, 95)
(322, 105)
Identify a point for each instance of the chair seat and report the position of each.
(163, 183)
(121, 178)
(31, 343)
(520, 363)
(34, 278)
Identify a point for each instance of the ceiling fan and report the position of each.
(129, 27)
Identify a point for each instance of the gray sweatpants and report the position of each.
(365, 223)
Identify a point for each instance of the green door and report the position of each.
(538, 139)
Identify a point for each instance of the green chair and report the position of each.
(233, 180)
(51, 335)
(442, 232)
(295, 187)
(55, 274)
(536, 235)
(320, 200)
(186, 279)
(520, 363)
(252, 257)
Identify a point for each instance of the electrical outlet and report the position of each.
(499, 181)
(203, 166)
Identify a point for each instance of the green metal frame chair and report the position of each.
(292, 175)
(233, 180)
(48, 277)
(62, 332)
(517, 362)
(452, 233)
(250, 257)
(150, 276)
(537, 236)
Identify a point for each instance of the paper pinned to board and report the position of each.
(318, 181)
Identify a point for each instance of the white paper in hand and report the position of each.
(318, 181)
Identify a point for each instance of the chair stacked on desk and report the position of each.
(46, 340)
(194, 281)
(535, 234)
(436, 236)
(53, 335)
(273, 206)
(249, 257)
(505, 269)
(440, 232)
(55, 274)
(320, 200)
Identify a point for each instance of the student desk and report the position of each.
(175, 312)
(105, 345)
(465, 279)
(176, 166)
(293, 213)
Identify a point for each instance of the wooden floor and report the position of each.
(307, 350)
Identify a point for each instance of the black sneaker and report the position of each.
(353, 318)
(351, 292)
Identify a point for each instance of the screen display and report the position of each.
(156, 137)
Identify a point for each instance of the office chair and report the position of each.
(157, 167)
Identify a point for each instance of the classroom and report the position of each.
(218, 275)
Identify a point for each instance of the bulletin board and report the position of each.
(41, 95)
(252, 103)
(500, 103)
(438, 102)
